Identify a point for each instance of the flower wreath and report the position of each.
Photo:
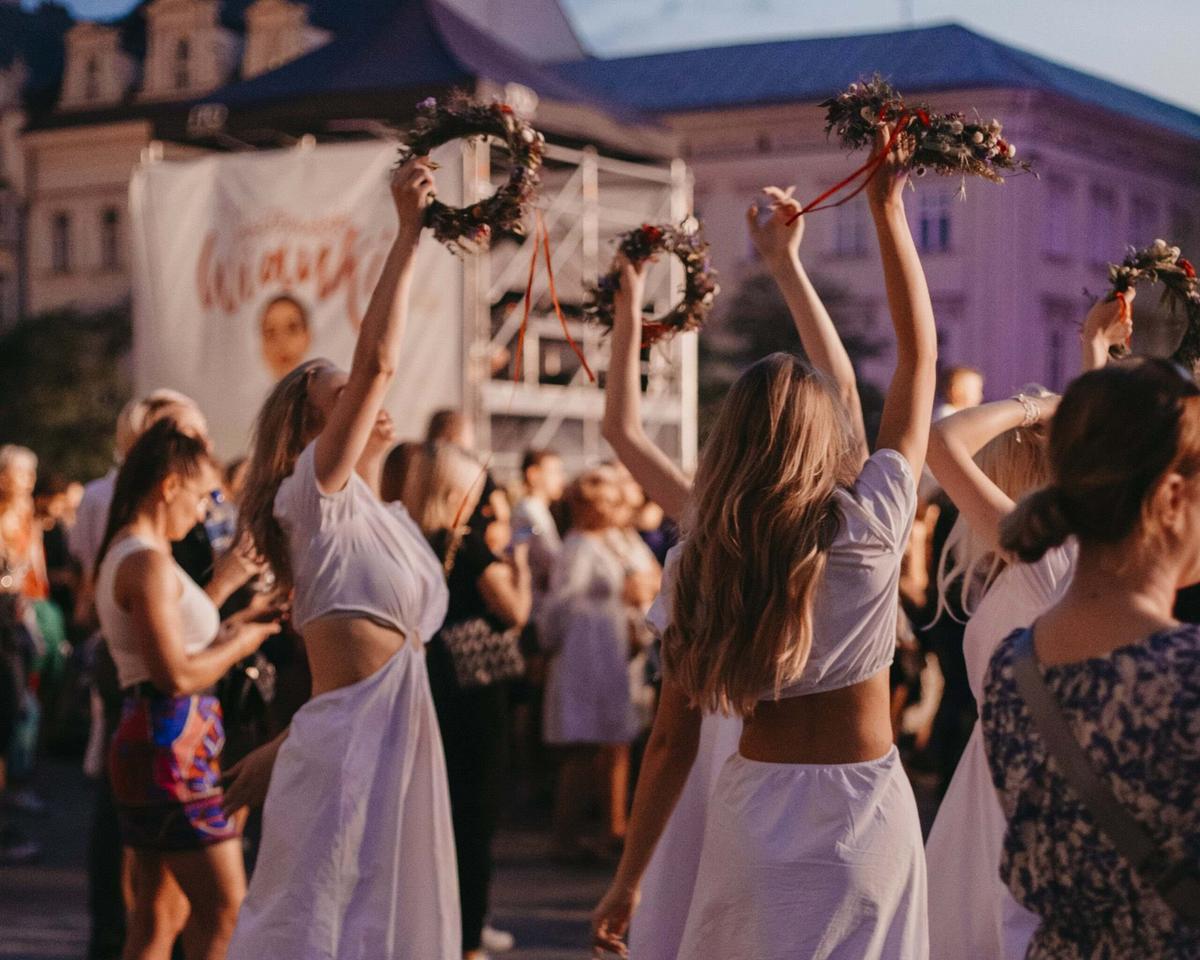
(460, 117)
(700, 286)
(949, 144)
(1160, 262)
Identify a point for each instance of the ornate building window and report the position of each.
(181, 66)
(850, 229)
(1056, 227)
(933, 220)
(1060, 327)
(110, 239)
(60, 242)
(91, 80)
(1104, 243)
(1144, 223)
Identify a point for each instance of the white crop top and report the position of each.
(198, 616)
(353, 554)
(854, 606)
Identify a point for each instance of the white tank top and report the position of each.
(198, 617)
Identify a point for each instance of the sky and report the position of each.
(1152, 47)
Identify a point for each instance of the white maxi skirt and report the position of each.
(657, 925)
(810, 862)
(357, 857)
(975, 915)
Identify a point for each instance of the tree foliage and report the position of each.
(63, 378)
(755, 322)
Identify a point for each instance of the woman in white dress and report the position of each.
(357, 855)
(661, 856)
(986, 458)
(586, 628)
(783, 612)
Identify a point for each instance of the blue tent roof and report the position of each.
(405, 45)
(928, 58)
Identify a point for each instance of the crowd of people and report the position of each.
(333, 667)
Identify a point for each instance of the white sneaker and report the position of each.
(496, 941)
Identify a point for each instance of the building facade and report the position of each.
(1007, 266)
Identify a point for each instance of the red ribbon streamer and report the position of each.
(516, 372)
(1125, 313)
(554, 299)
(541, 242)
(869, 168)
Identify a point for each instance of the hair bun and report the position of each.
(1039, 523)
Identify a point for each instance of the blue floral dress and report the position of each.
(1137, 713)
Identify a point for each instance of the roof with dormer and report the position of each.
(940, 57)
(36, 39)
(400, 46)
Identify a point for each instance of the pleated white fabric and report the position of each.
(810, 862)
(357, 858)
(973, 914)
(657, 925)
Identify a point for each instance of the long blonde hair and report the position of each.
(763, 517)
(1016, 461)
(442, 486)
(286, 424)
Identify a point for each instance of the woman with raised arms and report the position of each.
(779, 608)
(986, 458)
(357, 856)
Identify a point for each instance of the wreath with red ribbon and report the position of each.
(949, 144)
(458, 118)
(1161, 263)
(700, 286)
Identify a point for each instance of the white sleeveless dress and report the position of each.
(807, 861)
(357, 858)
(972, 914)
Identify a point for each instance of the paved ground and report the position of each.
(43, 907)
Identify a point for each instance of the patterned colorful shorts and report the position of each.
(165, 773)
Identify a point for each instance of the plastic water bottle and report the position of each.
(221, 522)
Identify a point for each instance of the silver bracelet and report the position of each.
(1033, 413)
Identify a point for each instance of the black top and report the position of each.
(470, 560)
(195, 554)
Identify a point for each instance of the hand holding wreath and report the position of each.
(642, 244)
(1162, 263)
(460, 117)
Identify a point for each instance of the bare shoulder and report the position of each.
(146, 575)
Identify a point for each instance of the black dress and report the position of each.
(474, 726)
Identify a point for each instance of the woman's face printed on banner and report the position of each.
(286, 338)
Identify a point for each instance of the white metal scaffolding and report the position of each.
(586, 201)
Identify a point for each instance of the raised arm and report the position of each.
(908, 407)
(778, 243)
(377, 352)
(663, 482)
(670, 753)
(1107, 324)
(953, 444)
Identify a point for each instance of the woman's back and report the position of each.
(1136, 712)
(1017, 597)
(854, 606)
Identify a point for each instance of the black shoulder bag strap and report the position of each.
(1175, 881)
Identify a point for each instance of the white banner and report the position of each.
(246, 264)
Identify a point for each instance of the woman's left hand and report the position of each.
(246, 782)
(886, 186)
(777, 239)
(610, 921)
(1110, 322)
(383, 435)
